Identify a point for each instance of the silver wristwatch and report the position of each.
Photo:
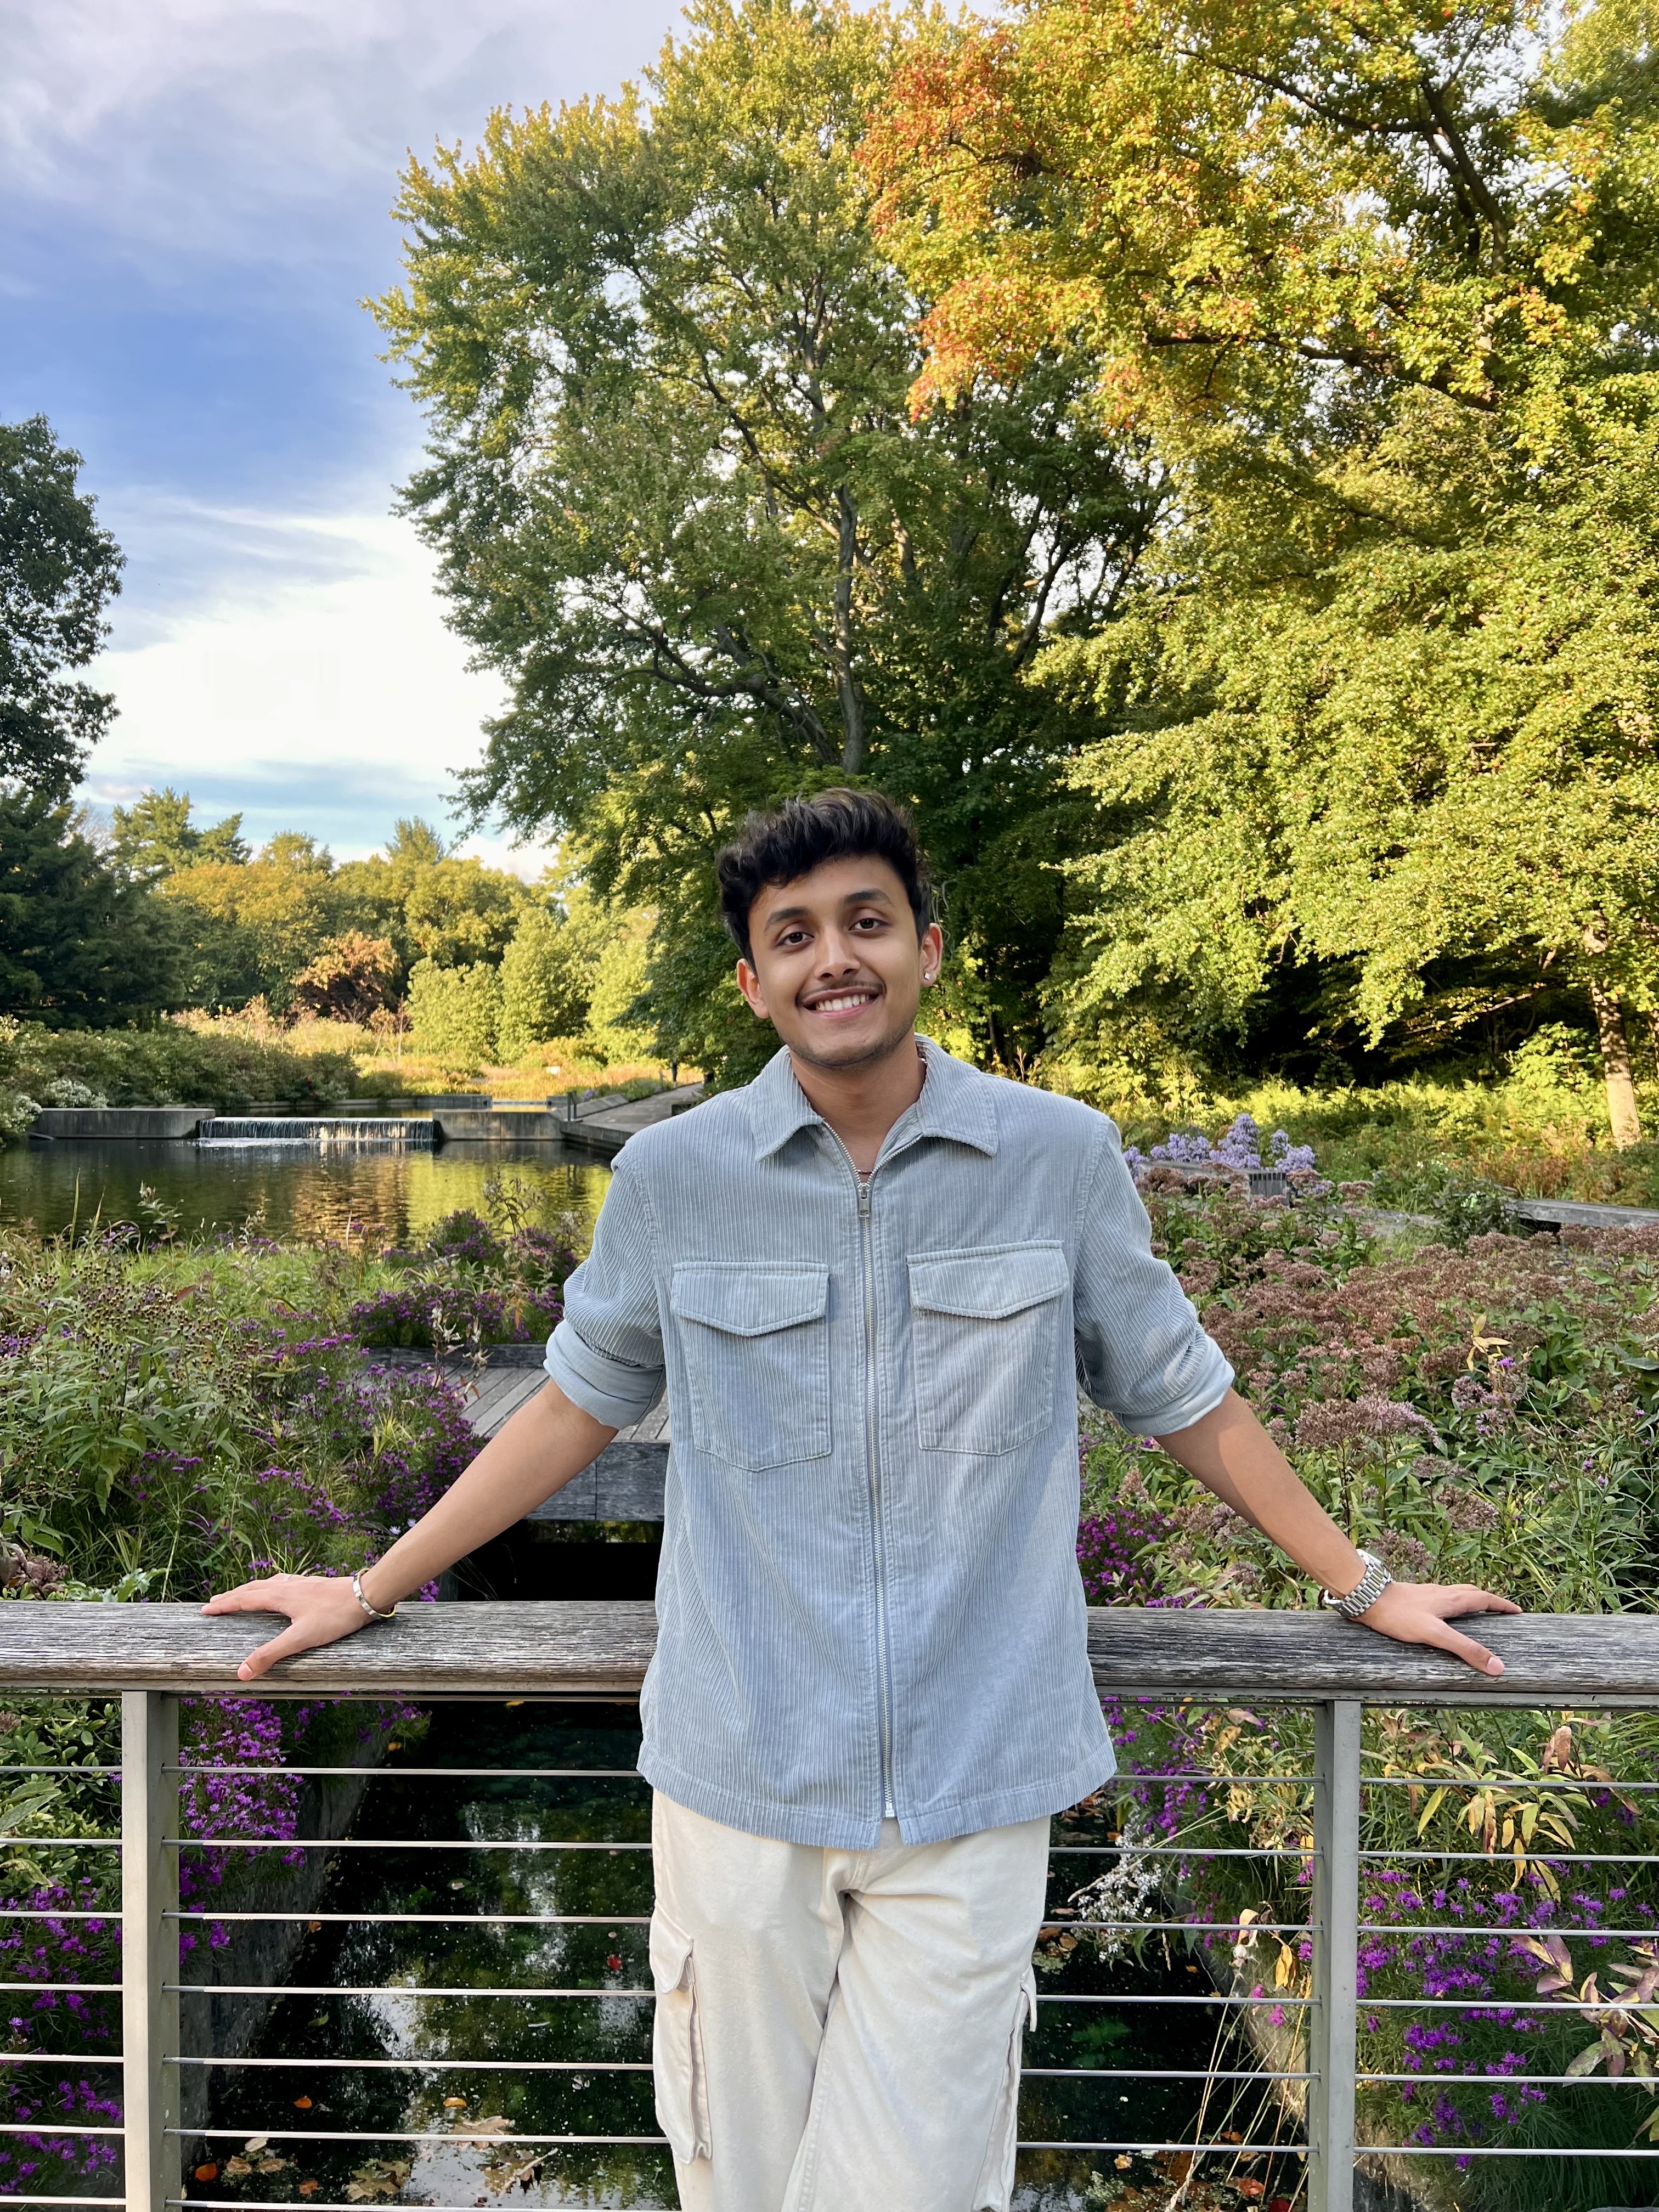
(1365, 1592)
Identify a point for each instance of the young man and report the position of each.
(871, 1279)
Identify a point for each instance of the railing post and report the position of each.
(149, 1946)
(1333, 2026)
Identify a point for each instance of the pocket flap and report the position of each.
(747, 1301)
(671, 1955)
(991, 1285)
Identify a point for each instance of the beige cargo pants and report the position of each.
(839, 2031)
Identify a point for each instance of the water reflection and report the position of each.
(455, 2059)
(293, 1191)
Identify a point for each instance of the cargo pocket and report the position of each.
(986, 1330)
(756, 1342)
(676, 2067)
(996, 2185)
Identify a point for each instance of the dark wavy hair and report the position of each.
(780, 847)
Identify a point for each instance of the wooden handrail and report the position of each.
(577, 1650)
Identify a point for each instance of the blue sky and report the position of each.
(197, 197)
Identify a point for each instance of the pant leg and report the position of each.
(744, 1943)
(915, 2098)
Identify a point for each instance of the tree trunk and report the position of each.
(1615, 1045)
(846, 683)
(1615, 1067)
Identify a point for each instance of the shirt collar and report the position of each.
(955, 1102)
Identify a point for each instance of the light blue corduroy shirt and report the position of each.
(869, 1595)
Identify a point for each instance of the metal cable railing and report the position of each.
(1182, 2029)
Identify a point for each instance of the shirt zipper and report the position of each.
(872, 1466)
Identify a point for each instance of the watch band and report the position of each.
(1365, 1592)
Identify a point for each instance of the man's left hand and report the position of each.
(1419, 1613)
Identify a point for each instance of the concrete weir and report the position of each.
(403, 1131)
(499, 1125)
(96, 1124)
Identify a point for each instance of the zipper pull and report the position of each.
(864, 1201)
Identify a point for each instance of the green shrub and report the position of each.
(455, 1014)
(1482, 1412)
(157, 1417)
(169, 1065)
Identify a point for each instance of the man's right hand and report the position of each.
(320, 1609)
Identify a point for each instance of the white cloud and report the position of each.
(186, 124)
(197, 190)
(319, 689)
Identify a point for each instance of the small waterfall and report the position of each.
(332, 1132)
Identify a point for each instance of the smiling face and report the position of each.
(836, 964)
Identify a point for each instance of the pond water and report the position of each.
(284, 1189)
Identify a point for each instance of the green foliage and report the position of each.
(681, 504)
(253, 926)
(546, 983)
(169, 1065)
(459, 913)
(154, 1418)
(80, 942)
(1418, 774)
(156, 837)
(617, 1001)
(455, 1013)
(1463, 1204)
(1374, 771)
(291, 927)
(1485, 1415)
(1410, 1138)
(58, 572)
(1491, 1403)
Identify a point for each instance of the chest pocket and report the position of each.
(756, 1341)
(985, 1334)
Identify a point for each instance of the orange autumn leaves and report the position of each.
(1216, 199)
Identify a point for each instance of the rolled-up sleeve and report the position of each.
(606, 1353)
(1142, 1351)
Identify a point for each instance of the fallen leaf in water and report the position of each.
(504, 2172)
(1247, 2188)
(378, 2177)
(315, 1927)
(234, 2168)
(207, 2173)
(1123, 2161)
(493, 2123)
(454, 2104)
(309, 2188)
(255, 2145)
(613, 1963)
(273, 2166)
(302, 2104)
